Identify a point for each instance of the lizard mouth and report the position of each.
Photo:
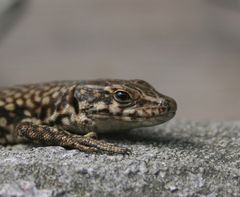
(106, 123)
(136, 118)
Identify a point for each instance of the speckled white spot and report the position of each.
(140, 112)
(55, 94)
(3, 122)
(19, 102)
(82, 91)
(29, 103)
(114, 108)
(27, 113)
(46, 100)
(10, 107)
(2, 103)
(126, 118)
(37, 98)
(66, 121)
(128, 111)
(100, 105)
(83, 105)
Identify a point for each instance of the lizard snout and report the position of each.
(169, 103)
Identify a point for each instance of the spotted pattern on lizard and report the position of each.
(71, 113)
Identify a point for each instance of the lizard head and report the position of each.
(124, 104)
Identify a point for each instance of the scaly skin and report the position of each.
(71, 113)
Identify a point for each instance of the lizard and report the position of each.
(71, 113)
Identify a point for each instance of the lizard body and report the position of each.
(71, 113)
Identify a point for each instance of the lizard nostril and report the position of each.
(164, 103)
(169, 103)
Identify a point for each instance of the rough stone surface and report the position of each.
(180, 158)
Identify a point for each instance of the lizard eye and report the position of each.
(122, 97)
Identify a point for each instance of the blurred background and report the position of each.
(189, 50)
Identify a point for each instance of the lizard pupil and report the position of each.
(122, 96)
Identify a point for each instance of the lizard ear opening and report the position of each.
(75, 105)
(74, 102)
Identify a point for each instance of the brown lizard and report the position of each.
(71, 113)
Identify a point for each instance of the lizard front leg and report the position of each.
(53, 136)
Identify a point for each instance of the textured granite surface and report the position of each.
(180, 158)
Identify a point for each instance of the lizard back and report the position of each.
(27, 102)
